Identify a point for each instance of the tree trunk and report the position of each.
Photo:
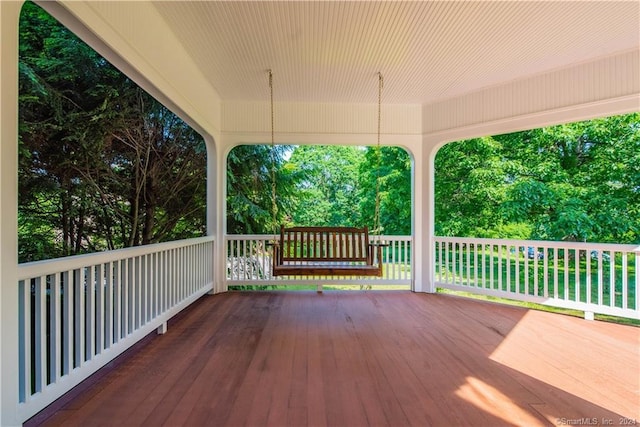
(134, 210)
(79, 231)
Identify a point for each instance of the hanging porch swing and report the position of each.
(327, 251)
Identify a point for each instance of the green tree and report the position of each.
(393, 166)
(328, 186)
(576, 182)
(470, 187)
(102, 164)
(249, 188)
(57, 96)
(152, 165)
(317, 185)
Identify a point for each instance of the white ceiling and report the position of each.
(330, 51)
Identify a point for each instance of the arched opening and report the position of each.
(548, 215)
(317, 185)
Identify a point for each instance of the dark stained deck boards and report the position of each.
(367, 358)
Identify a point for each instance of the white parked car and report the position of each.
(605, 256)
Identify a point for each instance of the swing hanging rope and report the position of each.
(274, 204)
(377, 230)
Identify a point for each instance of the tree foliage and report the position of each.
(469, 186)
(392, 167)
(250, 188)
(102, 164)
(319, 186)
(328, 187)
(574, 182)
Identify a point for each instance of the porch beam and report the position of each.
(602, 87)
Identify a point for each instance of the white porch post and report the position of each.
(220, 259)
(429, 153)
(9, 15)
(214, 213)
(423, 229)
(419, 245)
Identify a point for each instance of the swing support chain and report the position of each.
(274, 193)
(377, 226)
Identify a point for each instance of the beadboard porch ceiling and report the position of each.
(330, 51)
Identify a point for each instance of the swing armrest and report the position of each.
(377, 246)
(276, 252)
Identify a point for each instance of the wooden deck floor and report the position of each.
(369, 358)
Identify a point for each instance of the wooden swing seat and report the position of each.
(326, 251)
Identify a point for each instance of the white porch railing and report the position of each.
(78, 313)
(249, 262)
(590, 277)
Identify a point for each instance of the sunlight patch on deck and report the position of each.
(496, 403)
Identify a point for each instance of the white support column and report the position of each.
(418, 224)
(9, 16)
(214, 212)
(430, 190)
(219, 204)
(424, 226)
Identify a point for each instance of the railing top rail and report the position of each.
(52, 266)
(543, 243)
(277, 236)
